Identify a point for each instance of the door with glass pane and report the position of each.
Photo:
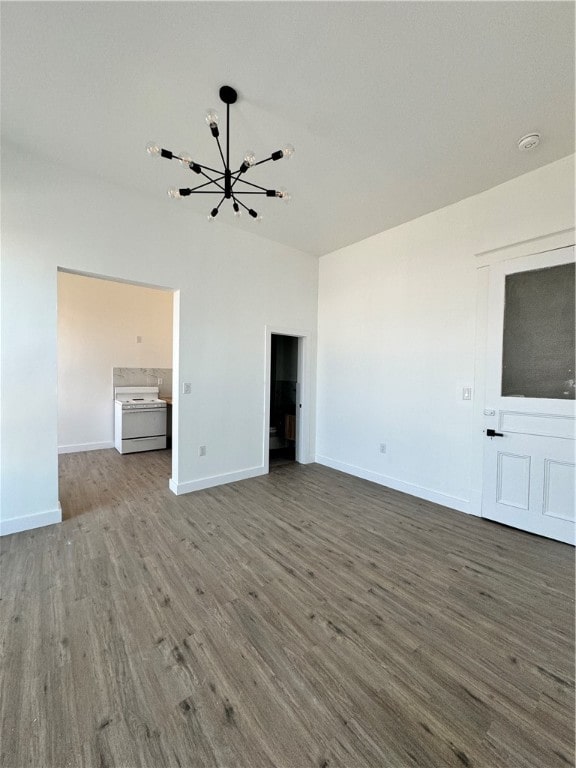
(529, 441)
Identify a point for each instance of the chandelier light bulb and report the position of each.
(237, 211)
(288, 151)
(283, 194)
(250, 158)
(185, 158)
(174, 193)
(153, 149)
(212, 117)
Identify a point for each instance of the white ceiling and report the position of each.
(395, 108)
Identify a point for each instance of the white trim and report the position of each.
(176, 383)
(209, 482)
(453, 502)
(80, 447)
(26, 522)
(540, 244)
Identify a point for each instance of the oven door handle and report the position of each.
(143, 410)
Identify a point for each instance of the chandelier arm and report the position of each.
(220, 150)
(212, 181)
(249, 192)
(235, 179)
(212, 170)
(266, 159)
(253, 185)
(236, 200)
(221, 201)
(206, 167)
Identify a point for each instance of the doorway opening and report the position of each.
(112, 335)
(283, 399)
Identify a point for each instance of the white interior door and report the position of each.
(529, 462)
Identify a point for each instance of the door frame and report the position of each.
(304, 451)
(173, 480)
(484, 260)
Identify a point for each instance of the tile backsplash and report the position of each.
(144, 377)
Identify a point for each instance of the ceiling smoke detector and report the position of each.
(530, 141)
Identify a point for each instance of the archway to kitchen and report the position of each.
(114, 334)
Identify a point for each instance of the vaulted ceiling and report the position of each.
(395, 108)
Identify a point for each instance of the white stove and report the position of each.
(139, 419)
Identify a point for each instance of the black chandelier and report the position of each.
(226, 180)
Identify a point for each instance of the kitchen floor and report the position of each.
(96, 480)
(302, 619)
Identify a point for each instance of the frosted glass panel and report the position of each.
(539, 334)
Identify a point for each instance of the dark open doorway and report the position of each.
(283, 396)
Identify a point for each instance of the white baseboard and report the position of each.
(27, 522)
(79, 447)
(454, 502)
(210, 482)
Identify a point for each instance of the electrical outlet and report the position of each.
(382, 447)
(466, 393)
(202, 450)
(187, 388)
(160, 381)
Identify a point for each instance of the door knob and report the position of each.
(493, 433)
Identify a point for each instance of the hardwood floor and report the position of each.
(304, 618)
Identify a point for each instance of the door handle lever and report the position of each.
(493, 433)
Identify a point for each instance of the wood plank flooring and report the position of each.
(301, 619)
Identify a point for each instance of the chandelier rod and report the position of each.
(227, 163)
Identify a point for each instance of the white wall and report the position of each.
(396, 336)
(98, 324)
(231, 285)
